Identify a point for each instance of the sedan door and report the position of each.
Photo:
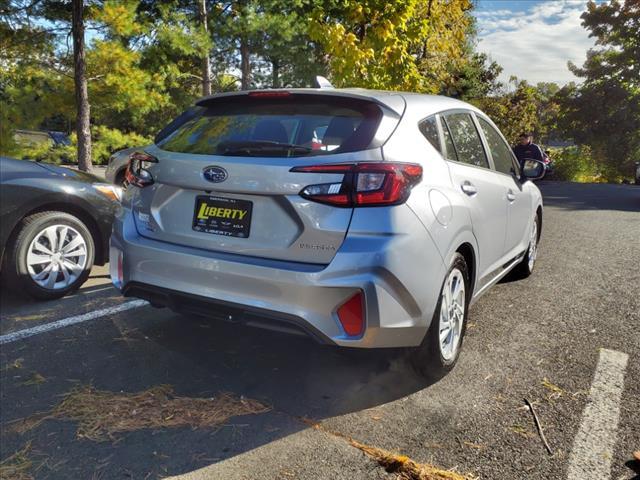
(482, 188)
(518, 197)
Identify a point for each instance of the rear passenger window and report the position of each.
(466, 139)
(500, 151)
(450, 149)
(429, 129)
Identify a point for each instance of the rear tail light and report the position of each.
(137, 173)
(351, 315)
(363, 184)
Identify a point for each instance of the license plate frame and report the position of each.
(225, 216)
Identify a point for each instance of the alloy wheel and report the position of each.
(56, 257)
(533, 245)
(452, 311)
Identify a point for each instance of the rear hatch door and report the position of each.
(223, 182)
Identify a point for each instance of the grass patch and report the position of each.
(17, 466)
(103, 414)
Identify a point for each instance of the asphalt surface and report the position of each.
(537, 339)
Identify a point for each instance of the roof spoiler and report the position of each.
(394, 102)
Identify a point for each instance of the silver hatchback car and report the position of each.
(361, 218)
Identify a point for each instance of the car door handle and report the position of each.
(511, 196)
(469, 188)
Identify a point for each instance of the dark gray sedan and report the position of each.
(55, 225)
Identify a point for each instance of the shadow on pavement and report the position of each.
(596, 196)
(199, 358)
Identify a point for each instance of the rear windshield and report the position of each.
(294, 125)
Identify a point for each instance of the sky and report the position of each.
(533, 39)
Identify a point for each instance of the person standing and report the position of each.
(527, 149)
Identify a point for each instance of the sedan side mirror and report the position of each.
(533, 169)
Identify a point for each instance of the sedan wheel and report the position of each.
(57, 257)
(50, 255)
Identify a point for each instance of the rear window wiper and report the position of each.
(249, 147)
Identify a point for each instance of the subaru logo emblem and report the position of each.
(215, 174)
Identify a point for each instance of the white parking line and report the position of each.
(65, 322)
(593, 446)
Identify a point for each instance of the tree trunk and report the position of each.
(206, 66)
(275, 73)
(245, 64)
(83, 115)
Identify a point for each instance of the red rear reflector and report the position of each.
(351, 315)
(268, 94)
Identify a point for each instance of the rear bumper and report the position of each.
(400, 276)
(220, 310)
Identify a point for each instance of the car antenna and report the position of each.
(320, 82)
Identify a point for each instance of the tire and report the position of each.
(525, 268)
(26, 260)
(432, 359)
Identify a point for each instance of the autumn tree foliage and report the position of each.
(146, 61)
(403, 45)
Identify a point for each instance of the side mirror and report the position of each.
(533, 169)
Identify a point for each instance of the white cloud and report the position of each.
(536, 45)
(487, 13)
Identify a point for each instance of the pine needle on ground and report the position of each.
(17, 466)
(102, 414)
(401, 465)
(406, 468)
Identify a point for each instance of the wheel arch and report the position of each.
(539, 214)
(72, 209)
(466, 245)
(466, 250)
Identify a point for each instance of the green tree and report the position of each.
(26, 89)
(283, 43)
(515, 111)
(266, 41)
(83, 118)
(143, 64)
(604, 111)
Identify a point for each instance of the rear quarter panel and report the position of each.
(435, 202)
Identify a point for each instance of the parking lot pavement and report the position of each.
(19, 313)
(539, 339)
